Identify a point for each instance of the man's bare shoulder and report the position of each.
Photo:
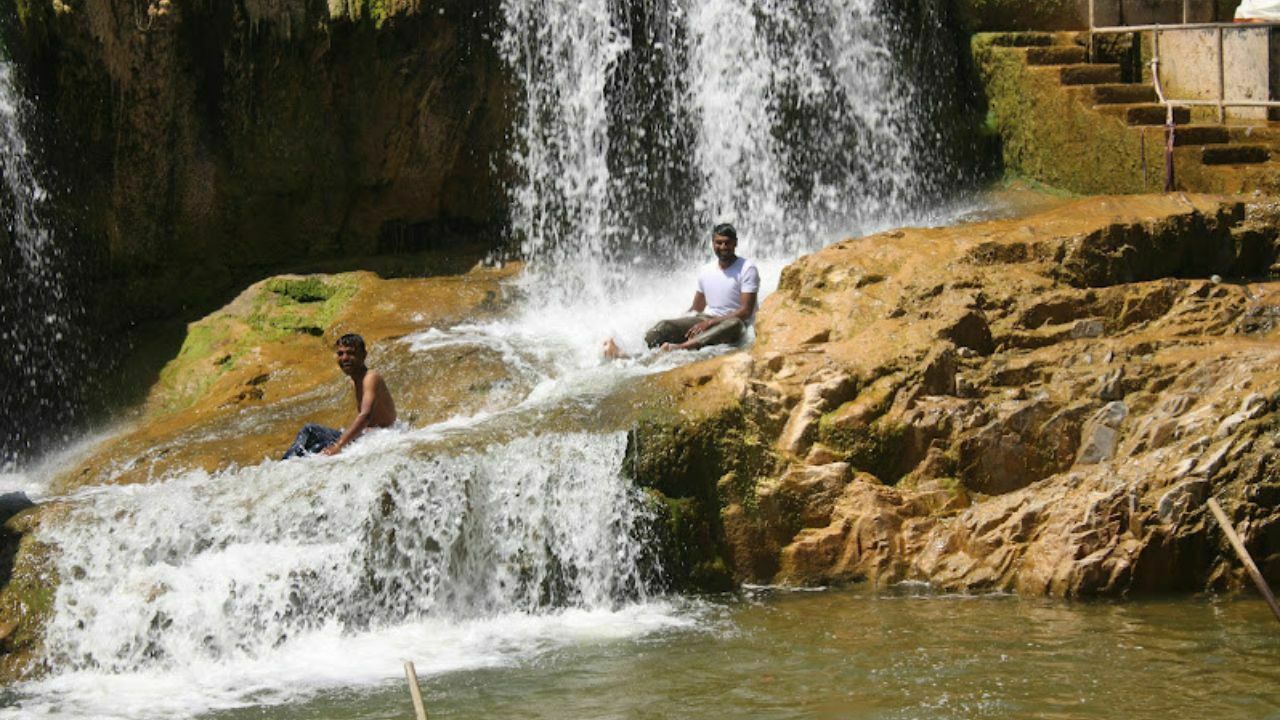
(374, 383)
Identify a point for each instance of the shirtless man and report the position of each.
(374, 406)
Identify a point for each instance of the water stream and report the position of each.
(41, 368)
(504, 553)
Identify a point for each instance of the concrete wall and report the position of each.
(990, 15)
(1145, 12)
(1189, 67)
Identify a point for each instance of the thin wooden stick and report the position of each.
(1249, 565)
(415, 692)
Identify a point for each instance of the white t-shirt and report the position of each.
(1259, 10)
(723, 287)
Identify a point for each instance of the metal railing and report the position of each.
(1221, 102)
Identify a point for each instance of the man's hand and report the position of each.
(701, 327)
(333, 449)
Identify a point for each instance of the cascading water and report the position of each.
(38, 315)
(234, 565)
(639, 124)
(476, 557)
(794, 121)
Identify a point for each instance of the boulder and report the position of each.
(1042, 405)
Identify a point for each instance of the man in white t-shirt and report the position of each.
(723, 306)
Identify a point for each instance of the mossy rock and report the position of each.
(688, 552)
(683, 461)
(26, 598)
(277, 310)
(876, 448)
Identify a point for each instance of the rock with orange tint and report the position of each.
(1038, 405)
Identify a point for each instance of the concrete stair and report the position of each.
(1025, 39)
(1269, 133)
(1212, 149)
(1144, 113)
(1234, 154)
(1056, 55)
(1201, 135)
(1089, 74)
(1121, 93)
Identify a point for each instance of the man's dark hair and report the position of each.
(726, 230)
(351, 340)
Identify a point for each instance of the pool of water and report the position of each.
(858, 654)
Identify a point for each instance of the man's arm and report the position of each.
(368, 397)
(699, 302)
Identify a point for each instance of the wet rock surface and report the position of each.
(248, 376)
(1040, 405)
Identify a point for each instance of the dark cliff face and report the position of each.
(194, 143)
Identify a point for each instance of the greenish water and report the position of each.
(854, 654)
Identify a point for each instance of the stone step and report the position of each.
(1254, 133)
(1234, 154)
(1055, 55)
(1201, 135)
(1122, 93)
(1023, 39)
(1144, 113)
(1086, 74)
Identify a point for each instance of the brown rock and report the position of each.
(1033, 322)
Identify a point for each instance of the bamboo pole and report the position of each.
(1249, 565)
(419, 710)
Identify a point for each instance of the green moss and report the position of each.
(1013, 179)
(282, 310)
(681, 462)
(186, 377)
(876, 448)
(294, 306)
(684, 458)
(28, 598)
(689, 555)
(301, 290)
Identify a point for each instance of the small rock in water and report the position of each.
(1215, 279)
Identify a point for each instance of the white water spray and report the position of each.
(233, 565)
(323, 555)
(792, 120)
(37, 317)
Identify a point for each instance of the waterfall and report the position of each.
(233, 565)
(641, 124)
(261, 564)
(38, 314)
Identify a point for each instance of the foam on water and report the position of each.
(328, 658)
(242, 574)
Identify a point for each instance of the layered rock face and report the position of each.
(1040, 405)
(194, 143)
